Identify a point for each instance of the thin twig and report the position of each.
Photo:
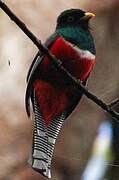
(57, 63)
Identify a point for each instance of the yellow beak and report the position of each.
(88, 16)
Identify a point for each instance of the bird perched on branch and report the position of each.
(52, 96)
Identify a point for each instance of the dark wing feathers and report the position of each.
(32, 64)
(32, 73)
(35, 61)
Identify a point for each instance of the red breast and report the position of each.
(53, 98)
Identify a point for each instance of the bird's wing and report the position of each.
(32, 64)
(33, 71)
(37, 59)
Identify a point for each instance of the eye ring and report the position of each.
(70, 19)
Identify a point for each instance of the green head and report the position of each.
(73, 25)
(74, 17)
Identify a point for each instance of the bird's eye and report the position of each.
(70, 19)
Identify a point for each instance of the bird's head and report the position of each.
(74, 17)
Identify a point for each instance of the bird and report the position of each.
(50, 98)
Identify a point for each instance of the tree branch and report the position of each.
(58, 64)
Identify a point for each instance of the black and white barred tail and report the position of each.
(44, 139)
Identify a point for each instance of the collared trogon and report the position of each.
(53, 98)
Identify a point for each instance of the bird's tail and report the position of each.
(44, 139)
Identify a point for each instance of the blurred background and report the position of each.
(88, 144)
